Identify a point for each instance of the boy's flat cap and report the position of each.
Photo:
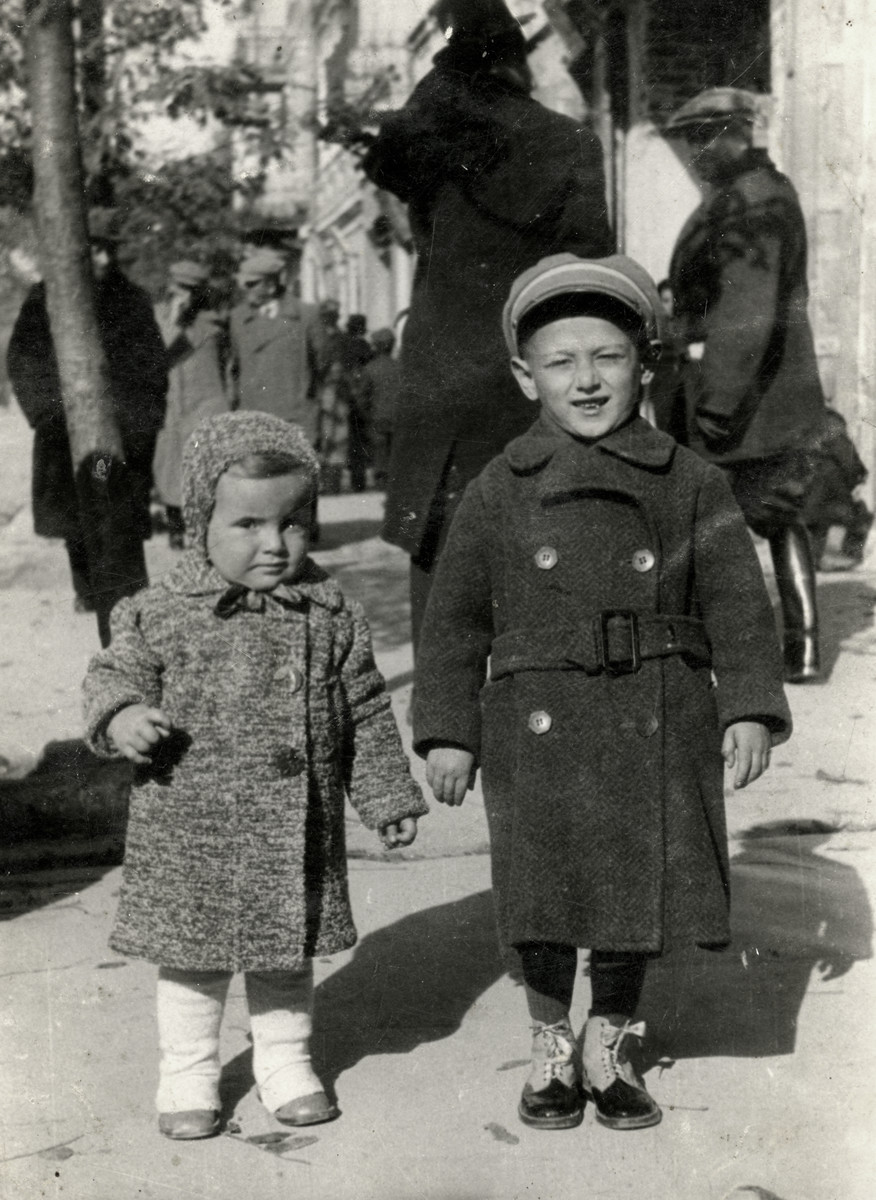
(260, 263)
(715, 106)
(617, 276)
(188, 274)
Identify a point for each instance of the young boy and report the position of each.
(605, 573)
(243, 685)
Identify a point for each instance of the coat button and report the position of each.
(296, 679)
(648, 726)
(643, 560)
(546, 557)
(540, 722)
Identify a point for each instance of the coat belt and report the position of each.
(616, 641)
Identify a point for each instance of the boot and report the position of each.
(621, 1100)
(551, 1097)
(795, 579)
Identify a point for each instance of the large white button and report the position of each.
(546, 557)
(643, 560)
(296, 679)
(540, 722)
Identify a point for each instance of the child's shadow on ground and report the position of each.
(409, 983)
(794, 911)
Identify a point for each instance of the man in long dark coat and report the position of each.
(136, 361)
(493, 182)
(753, 399)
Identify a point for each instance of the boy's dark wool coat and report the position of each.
(235, 856)
(607, 828)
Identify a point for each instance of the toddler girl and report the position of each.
(243, 685)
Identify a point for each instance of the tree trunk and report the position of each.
(115, 552)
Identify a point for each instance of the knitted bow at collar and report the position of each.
(238, 598)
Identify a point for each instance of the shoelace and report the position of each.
(612, 1041)
(559, 1047)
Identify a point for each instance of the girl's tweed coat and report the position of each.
(235, 856)
(604, 794)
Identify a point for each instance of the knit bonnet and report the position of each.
(217, 442)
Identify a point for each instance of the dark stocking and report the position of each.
(616, 981)
(549, 979)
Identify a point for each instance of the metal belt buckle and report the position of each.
(619, 666)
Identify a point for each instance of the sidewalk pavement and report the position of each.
(762, 1057)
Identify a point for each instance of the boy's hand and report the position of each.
(136, 730)
(450, 773)
(399, 833)
(746, 747)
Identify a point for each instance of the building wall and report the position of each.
(823, 138)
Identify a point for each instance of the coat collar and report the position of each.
(195, 576)
(636, 442)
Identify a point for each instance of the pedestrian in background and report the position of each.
(274, 345)
(753, 399)
(333, 442)
(356, 351)
(493, 182)
(137, 366)
(196, 337)
(605, 573)
(243, 686)
(831, 502)
(381, 389)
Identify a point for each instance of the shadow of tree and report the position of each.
(408, 983)
(794, 912)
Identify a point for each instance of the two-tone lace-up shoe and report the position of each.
(551, 1097)
(620, 1096)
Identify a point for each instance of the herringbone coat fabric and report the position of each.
(738, 275)
(493, 181)
(604, 794)
(235, 855)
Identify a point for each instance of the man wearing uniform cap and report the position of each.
(274, 344)
(137, 365)
(196, 338)
(752, 395)
(493, 182)
(603, 572)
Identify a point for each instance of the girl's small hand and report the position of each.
(136, 730)
(450, 773)
(746, 747)
(399, 833)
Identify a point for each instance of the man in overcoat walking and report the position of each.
(137, 365)
(274, 345)
(197, 352)
(753, 400)
(493, 182)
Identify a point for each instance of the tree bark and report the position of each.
(115, 552)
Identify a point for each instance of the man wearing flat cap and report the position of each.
(136, 361)
(493, 182)
(274, 344)
(197, 354)
(753, 400)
